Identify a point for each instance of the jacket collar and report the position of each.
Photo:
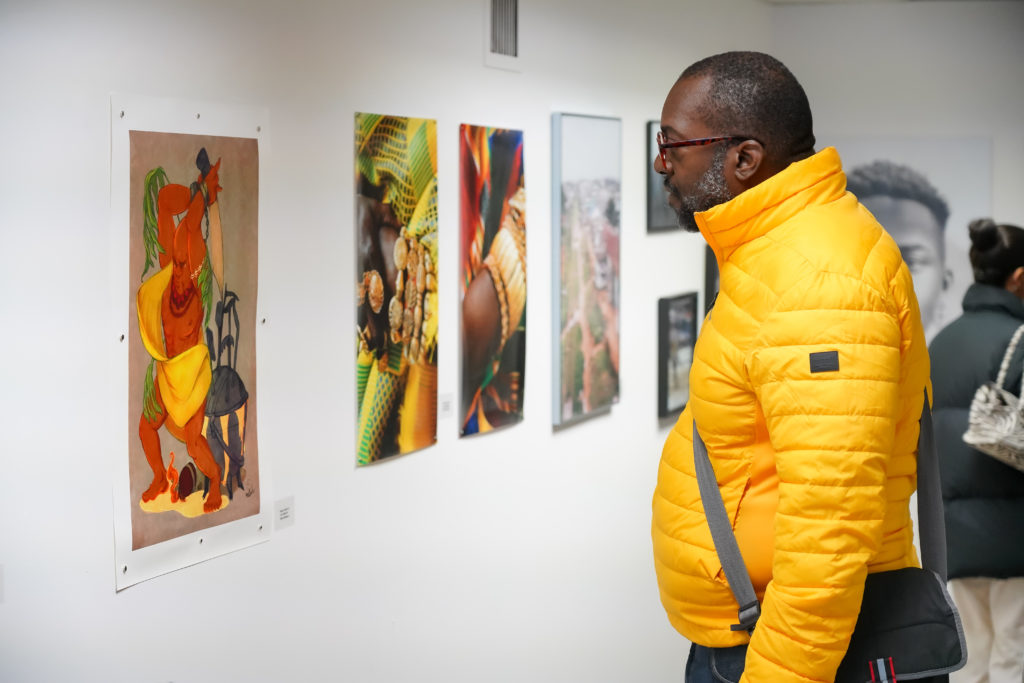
(755, 212)
(990, 298)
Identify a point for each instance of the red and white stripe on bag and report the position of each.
(878, 672)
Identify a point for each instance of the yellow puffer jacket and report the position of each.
(816, 468)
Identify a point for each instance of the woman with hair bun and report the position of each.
(984, 498)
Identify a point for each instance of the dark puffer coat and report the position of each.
(984, 499)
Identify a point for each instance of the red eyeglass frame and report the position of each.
(664, 143)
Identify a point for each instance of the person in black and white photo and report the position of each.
(911, 209)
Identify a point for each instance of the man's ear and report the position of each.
(750, 162)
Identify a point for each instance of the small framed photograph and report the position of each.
(677, 333)
(660, 216)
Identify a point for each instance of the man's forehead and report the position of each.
(684, 104)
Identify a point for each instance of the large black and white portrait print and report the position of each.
(924, 191)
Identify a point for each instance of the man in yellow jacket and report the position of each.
(807, 382)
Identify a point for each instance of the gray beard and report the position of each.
(709, 191)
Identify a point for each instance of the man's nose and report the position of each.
(659, 165)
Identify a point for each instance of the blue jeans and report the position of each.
(715, 664)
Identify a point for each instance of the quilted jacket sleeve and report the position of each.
(826, 372)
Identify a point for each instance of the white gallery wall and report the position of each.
(522, 555)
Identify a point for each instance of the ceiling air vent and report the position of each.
(501, 39)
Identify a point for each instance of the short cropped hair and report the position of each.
(755, 95)
(887, 179)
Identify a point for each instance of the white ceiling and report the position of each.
(837, 2)
(827, 2)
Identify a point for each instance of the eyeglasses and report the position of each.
(664, 143)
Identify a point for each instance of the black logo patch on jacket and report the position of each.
(825, 361)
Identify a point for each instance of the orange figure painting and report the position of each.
(193, 238)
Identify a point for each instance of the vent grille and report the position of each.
(505, 27)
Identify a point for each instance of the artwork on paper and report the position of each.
(193, 458)
(925, 203)
(660, 216)
(492, 277)
(396, 285)
(586, 206)
(677, 333)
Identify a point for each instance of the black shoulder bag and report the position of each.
(908, 628)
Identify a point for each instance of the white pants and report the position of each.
(992, 611)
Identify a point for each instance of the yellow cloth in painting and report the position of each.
(184, 379)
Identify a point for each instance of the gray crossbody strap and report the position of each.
(930, 518)
(725, 540)
(929, 514)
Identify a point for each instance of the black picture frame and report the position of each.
(677, 334)
(660, 217)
